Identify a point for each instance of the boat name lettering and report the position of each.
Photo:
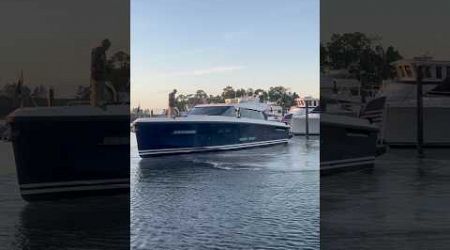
(184, 132)
(247, 139)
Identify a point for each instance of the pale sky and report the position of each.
(414, 27)
(209, 44)
(51, 40)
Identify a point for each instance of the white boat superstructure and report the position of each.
(296, 116)
(400, 118)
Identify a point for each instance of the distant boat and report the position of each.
(71, 151)
(210, 127)
(400, 122)
(296, 117)
(298, 123)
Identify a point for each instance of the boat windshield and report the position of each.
(214, 111)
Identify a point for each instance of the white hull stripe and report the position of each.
(347, 165)
(75, 189)
(369, 158)
(72, 183)
(199, 149)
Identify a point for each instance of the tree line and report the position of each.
(278, 94)
(118, 68)
(365, 58)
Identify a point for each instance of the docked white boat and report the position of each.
(299, 123)
(400, 118)
(296, 116)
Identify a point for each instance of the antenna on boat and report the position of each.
(51, 96)
(420, 153)
(19, 89)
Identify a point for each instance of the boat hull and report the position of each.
(173, 137)
(298, 124)
(65, 157)
(400, 128)
(345, 147)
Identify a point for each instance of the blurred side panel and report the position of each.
(64, 123)
(385, 80)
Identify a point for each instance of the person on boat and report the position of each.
(99, 71)
(172, 107)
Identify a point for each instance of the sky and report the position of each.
(51, 40)
(208, 44)
(415, 28)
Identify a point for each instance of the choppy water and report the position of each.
(261, 198)
(84, 223)
(402, 203)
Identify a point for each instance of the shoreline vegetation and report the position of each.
(18, 94)
(278, 95)
(364, 57)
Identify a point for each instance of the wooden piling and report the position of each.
(51, 97)
(306, 119)
(420, 153)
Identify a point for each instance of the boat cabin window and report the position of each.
(252, 114)
(438, 72)
(214, 111)
(427, 72)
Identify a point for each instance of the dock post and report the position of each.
(51, 97)
(306, 119)
(420, 153)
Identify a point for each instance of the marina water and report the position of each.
(83, 223)
(245, 199)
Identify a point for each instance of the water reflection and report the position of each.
(402, 203)
(88, 223)
(263, 197)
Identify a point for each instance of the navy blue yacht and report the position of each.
(209, 127)
(69, 151)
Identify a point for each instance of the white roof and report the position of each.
(247, 105)
(346, 121)
(72, 111)
(421, 61)
(212, 119)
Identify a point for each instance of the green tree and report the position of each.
(40, 91)
(276, 94)
(215, 99)
(118, 68)
(10, 90)
(263, 96)
(282, 97)
(201, 95)
(364, 57)
(240, 92)
(181, 102)
(228, 92)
